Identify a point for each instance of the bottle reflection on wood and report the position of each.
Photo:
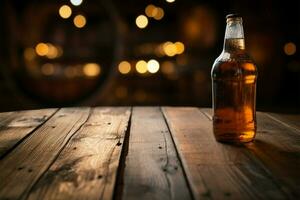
(234, 88)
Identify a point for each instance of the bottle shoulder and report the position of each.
(240, 56)
(235, 65)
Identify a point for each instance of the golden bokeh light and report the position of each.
(167, 67)
(52, 51)
(170, 1)
(151, 10)
(76, 2)
(289, 48)
(179, 47)
(124, 67)
(170, 49)
(29, 54)
(41, 49)
(153, 66)
(159, 14)
(65, 11)
(91, 69)
(79, 21)
(159, 50)
(141, 66)
(47, 49)
(59, 51)
(141, 21)
(47, 69)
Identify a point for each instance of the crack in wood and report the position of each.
(26, 194)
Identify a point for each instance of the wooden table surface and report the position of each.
(144, 153)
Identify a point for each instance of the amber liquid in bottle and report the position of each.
(234, 88)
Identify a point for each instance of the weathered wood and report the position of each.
(22, 167)
(277, 145)
(208, 112)
(75, 153)
(153, 170)
(14, 126)
(289, 120)
(87, 167)
(216, 170)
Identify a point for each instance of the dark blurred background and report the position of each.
(140, 52)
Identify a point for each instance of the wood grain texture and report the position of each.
(22, 167)
(277, 145)
(153, 170)
(208, 112)
(289, 120)
(14, 126)
(216, 170)
(87, 167)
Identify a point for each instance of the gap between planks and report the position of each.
(33, 156)
(87, 166)
(118, 190)
(16, 126)
(216, 170)
(276, 145)
(152, 167)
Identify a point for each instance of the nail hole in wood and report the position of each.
(74, 148)
(99, 176)
(119, 143)
(108, 123)
(20, 168)
(160, 147)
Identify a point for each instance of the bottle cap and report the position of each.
(233, 16)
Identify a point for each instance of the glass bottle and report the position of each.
(234, 78)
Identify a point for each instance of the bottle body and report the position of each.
(234, 78)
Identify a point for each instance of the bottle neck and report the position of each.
(234, 36)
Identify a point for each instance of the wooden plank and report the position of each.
(22, 167)
(277, 145)
(153, 170)
(14, 126)
(216, 170)
(208, 112)
(87, 167)
(289, 120)
(5, 117)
